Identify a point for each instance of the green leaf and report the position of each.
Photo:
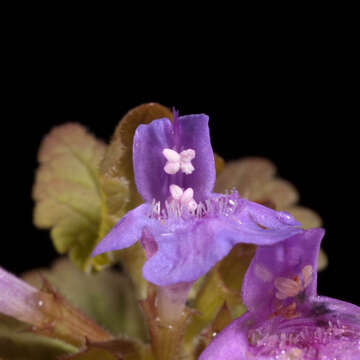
(219, 164)
(246, 175)
(17, 343)
(107, 297)
(67, 192)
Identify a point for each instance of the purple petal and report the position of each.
(149, 141)
(126, 232)
(185, 254)
(253, 223)
(194, 134)
(286, 260)
(231, 343)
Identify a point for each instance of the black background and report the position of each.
(298, 109)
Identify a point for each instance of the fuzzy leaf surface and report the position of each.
(67, 193)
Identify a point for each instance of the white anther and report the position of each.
(176, 192)
(171, 168)
(173, 161)
(171, 155)
(187, 195)
(185, 198)
(186, 157)
(176, 161)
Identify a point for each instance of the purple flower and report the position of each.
(184, 227)
(285, 318)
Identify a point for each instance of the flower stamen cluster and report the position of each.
(179, 161)
(224, 205)
(287, 287)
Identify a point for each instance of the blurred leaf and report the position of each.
(16, 343)
(246, 175)
(307, 217)
(322, 260)
(219, 164)
(277, 192)
(66, 191)
(107, 298)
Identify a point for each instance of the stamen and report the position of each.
(176, 192)
(173, 161)
(184, 198)
(185, 161)
(176, 161)
(187, 195)
(181, 200)
(171, 155)
(287, 287)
